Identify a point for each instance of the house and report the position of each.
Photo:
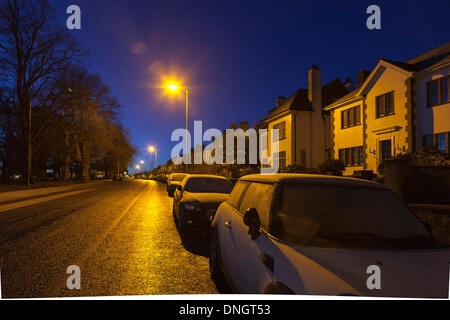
(397, 108)
(304, 127)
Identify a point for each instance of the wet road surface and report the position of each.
(121, 235)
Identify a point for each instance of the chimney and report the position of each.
(315, 87)
(280, 101)
(361, 77)
(244, 125)
(349, 84)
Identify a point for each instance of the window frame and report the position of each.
(382, 98)
(281, 130)
(241, 197)
(347, 156)
(351, 117)
(439, 91)
(272, 201)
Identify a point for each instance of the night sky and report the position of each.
(236, 57)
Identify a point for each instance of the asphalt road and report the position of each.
(121, 235)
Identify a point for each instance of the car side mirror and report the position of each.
(252, 221)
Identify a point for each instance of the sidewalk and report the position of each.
(40, 190)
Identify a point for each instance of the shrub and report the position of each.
(334, 166)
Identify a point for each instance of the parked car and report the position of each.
(173, 181)
(196, 200)
(323, 235)
(117, 177)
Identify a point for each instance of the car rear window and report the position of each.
(347, 216)
(208, 185)
(178, 177)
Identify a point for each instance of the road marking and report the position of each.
(27, 203)
(82, 258)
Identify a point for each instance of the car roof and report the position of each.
(309, 178)
(205, 176)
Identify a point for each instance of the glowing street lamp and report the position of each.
(175, 88)
(139, 168)
(152, 149)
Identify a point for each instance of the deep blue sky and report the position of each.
(236, 57)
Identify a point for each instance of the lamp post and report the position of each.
(173, 87)
(152, 149)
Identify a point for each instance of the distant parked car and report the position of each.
(196, 200)
(117, 177)
(173, 181)
(323, 235)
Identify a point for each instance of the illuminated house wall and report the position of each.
(395, 112)
(307, 140)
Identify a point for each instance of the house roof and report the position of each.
(425, 60)
(299, 101)
(420, 63)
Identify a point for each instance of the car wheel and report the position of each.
(214, 264)
(174, 215)
(214, 254)
(181, 223)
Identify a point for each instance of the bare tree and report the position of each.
(33, 51)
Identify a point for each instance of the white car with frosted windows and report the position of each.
(322, 235)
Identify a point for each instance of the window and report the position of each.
(352, 156)
(386, 149)
(235, 197)
(281, 130)
(385, 105)
(441, 141)
(331, 215)
(259, 196)
(208, 185)
(428, 140)
(351, 117)
(302, 158)
(282, 159)
(437, 92)
(264, 142)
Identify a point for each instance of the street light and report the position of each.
(139, 168)
(175, 88)
(152, 149)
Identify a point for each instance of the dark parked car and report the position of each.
(173, 181)
(196, 200)
(117, 177)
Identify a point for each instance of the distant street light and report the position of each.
(142, 161)
(152, 149)
(139, 168)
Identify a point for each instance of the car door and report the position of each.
(223, 219)
(177, 199)
(244, 256)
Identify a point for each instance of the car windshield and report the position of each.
(178, 177)
(208, 185)
(347, 217)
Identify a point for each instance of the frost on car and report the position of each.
(324, 236)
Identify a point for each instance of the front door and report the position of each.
(386, 149)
